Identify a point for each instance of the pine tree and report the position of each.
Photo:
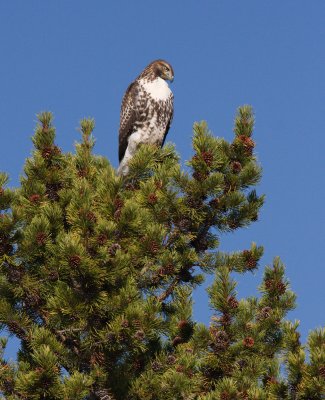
(97, 275)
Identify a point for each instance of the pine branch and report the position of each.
(82, 251)
(163, 296)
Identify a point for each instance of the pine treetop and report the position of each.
(98, 271)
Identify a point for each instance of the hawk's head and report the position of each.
(159, 68)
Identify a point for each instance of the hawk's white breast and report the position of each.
(158, 89)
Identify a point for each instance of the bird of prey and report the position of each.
(146, 112)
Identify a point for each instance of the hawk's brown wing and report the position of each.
(170, 113)
(127, 118)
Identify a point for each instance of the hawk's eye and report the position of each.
(166, 68)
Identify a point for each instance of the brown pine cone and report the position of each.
(53, 276)
(177, 340)
(52, 189)
(281, 287)
(137, 364)
(207, 157)
(250, 260)
(179, 368)
(5, 248)
(264, 313)
(321, 371)
(153, 247)
(251, 263)
(242, 364)
(111, 337)
(33, 299)
(232, 302)
(220, 339)
(139, 335)
(214, 203)
(225, 319)
(246, 253)
(225, 395)
(169, 269)
(90, 216)
(202, 244)
(102, 239)
(15, 274)
(269, 283)
(125, 323)
(152, 198)
(194, 203)
(184, 224)
(8, 384)
(183, 324)
(171, 359)
(45, 128)
(248, 342)
(233, 224)
(236, 166)
(56, 150)
(118, 203)
(41, 238)
(199, 176)
(247, 142)
(117, 214)
(185, 328)
(74, 261)
(92, 251)
(82, 173)
(159, 183)
(47, 152)
(156, 366)
(113, 249)
(243, 395)
(34, 198)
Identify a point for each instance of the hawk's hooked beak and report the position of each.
(171, 78)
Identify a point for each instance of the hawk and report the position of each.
(146, 112)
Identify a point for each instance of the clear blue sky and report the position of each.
(76, 58)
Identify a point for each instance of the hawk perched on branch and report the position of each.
(146, 112)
